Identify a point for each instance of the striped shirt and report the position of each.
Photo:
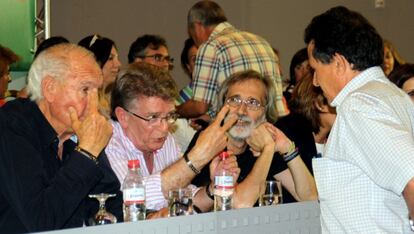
(226, 52)
(368, 159)
(120, 149)
(185, 94)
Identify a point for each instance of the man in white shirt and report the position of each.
(143, 110)
(366, 178)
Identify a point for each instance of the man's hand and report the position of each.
(260, 138)
(214, 138)
(93, 131)
(283, 143)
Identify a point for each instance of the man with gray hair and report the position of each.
(143, 111)
(45, 175)
(262, 151)
(223, 51)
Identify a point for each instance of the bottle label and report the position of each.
(223, 182)
(132, 195)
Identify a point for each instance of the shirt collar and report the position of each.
(220, 28)
(370, 74)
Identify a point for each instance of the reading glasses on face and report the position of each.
(160, 58)
(153, 120)
(251, 103)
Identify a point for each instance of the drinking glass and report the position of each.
(180, 202)
(102, 216)
(270, 193)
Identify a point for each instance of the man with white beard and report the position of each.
(263, 151)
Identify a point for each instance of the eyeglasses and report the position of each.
(160, 58)
(251, 103)
(154, 120)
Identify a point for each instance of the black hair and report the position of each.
(401, 74)
(298, 58)
(100, 46)
(184, 54)
(348, 33)
(137, 48)
(51, 41)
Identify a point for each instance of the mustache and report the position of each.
(243, 118)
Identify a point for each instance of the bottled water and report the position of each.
(134, 193)
(223, 187)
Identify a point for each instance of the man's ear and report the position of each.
(122, 116)
(49, 88)
(342, 64)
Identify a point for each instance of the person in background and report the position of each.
(49, 42)
(7, 57)
(151, 49)
(223, 51)
(182, 131)
(365, 178)
(263, 152)
(143, 110)
(392, 59)
(106, 54)
(46, 177)
(299, 68)
(403, 77)
(308, 123)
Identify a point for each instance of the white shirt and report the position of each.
(368, 159)
(120, 149)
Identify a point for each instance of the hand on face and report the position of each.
(260, 138)
(230, 165)
(214, 138)
(93, 130)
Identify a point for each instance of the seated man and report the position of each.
(45, 176)
(249, 96)
(150, 49)
(143, 111)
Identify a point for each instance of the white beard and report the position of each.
(243, 127)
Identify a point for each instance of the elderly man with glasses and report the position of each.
(151, 49)
(263, 152)
(143, 111)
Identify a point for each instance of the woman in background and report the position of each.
(403, 77)
(106, 54)
(299, 68)
(7, 57)
(392, 59)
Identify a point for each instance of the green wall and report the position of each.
(17, 28)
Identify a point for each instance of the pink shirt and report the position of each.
(120, 149)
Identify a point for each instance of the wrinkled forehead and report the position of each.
(250, 88)
(86, 70)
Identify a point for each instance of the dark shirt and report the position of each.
(38, 190)
(298, 129)
(245, 161)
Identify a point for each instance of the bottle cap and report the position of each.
(224, 155)
(133, 163)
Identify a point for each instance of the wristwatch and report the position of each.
(411, 224)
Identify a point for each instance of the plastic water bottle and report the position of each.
(223, 187)
(134, 193)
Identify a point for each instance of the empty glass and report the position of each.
(180, 202)
(102, 216)
(270, 193)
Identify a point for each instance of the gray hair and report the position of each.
(55, 62)
(141, 80)
(239, 77)
(207, 13)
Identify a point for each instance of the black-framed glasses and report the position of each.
(251, 103)
(154, 120)
(160, 58)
